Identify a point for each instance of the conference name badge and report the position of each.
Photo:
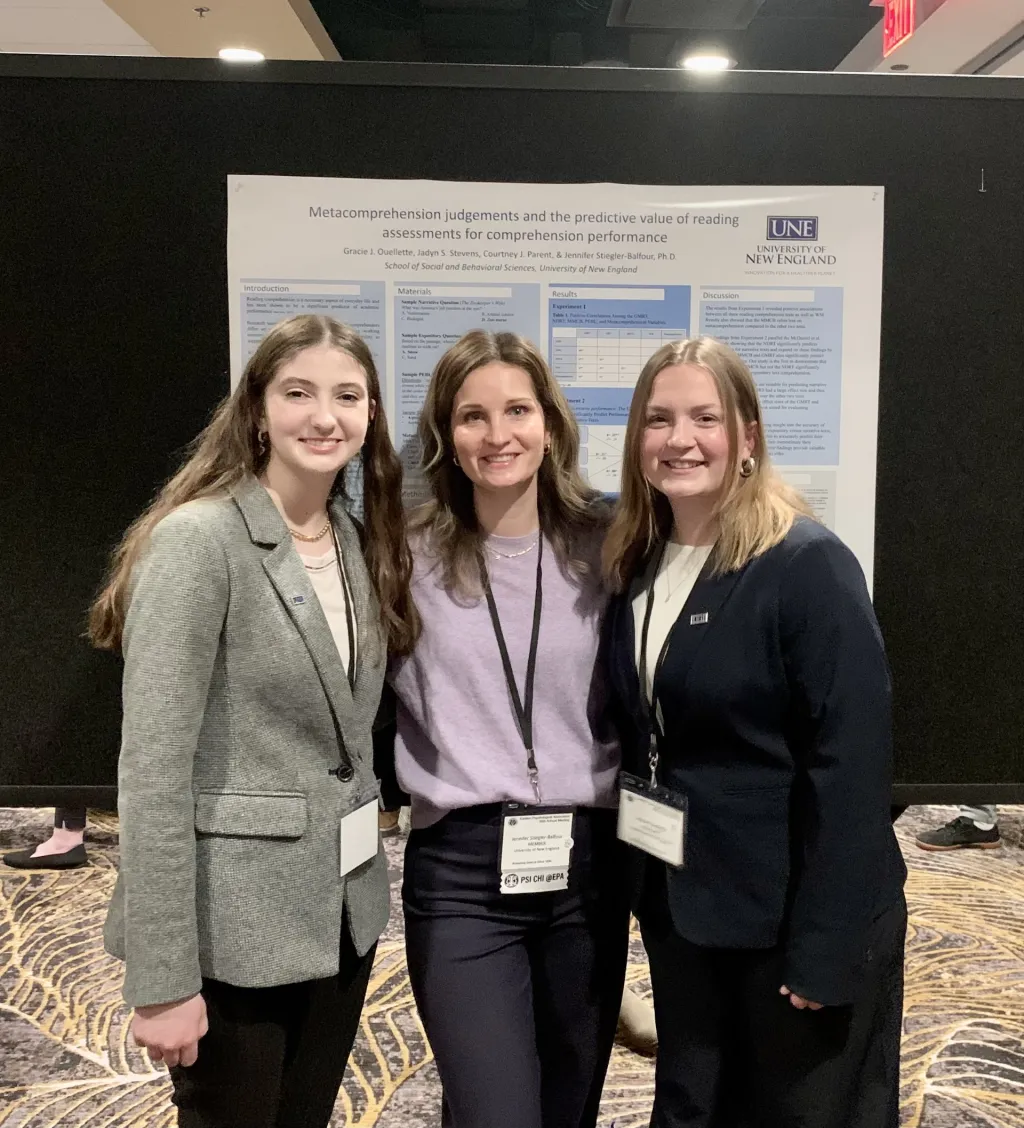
(360, 836)
(653, 819)
(536, 848)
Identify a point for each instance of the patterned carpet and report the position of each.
(66, 1058)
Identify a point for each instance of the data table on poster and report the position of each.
(605, 334)
(612, 356)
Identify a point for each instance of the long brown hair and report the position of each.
(754, 512)
(565, 502)
(229, 448)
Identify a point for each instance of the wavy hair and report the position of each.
(567, 506)
(753, 514)
(229, 448)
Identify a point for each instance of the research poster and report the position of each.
(599, 275)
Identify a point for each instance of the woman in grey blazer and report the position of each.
(255, 627)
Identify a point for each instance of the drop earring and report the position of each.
(261, 444)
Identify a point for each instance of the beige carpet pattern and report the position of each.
(66, 1059)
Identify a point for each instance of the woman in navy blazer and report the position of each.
(776, 947)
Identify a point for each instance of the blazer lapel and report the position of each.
(291, 581)
(288, 575)
(623, 649)
(364, 599)
(697, 620)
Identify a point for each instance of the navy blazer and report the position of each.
(777, 727)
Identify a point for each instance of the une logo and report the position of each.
(793, 227)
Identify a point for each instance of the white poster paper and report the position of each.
(599, 275)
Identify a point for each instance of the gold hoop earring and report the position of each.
(746, 467)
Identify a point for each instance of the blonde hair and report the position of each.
(229, 448)
(753, 514)
(565, 502)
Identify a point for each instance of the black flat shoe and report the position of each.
(70, 859)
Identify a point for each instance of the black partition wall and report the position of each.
(113, 304)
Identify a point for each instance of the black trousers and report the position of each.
(274, 1056)
(519, 994)
(734, 1053)
(70, 818)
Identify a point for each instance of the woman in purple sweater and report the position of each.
(515, 909)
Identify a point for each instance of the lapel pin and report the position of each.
(697, 620)
(298, 599)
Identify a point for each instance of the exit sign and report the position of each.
(897, 24)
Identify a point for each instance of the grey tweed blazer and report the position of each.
(234, 776)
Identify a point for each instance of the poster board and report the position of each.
(600, 276)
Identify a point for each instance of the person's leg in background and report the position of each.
(392, 798)
(64, 849)
(984, 817)
(973, 828)
(387, 820)
(637, 1029)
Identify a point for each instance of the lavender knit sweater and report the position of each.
(458, 742)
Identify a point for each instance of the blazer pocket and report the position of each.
(251, 814)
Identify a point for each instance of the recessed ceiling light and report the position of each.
(707, 62)
(240, 55)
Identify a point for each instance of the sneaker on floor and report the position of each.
(960, 834)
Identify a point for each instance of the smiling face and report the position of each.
(498, 427)
(685, 448)
(316, 412)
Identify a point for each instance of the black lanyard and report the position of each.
(650, 711)
(523, 706)
(349, 614)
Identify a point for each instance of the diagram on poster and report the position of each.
(599, 276)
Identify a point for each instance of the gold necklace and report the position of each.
(310, 540)
(512, 555)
